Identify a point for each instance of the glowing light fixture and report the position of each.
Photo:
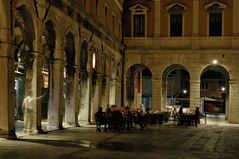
(184, 91)
(93, 60)
(214, 62)
(223, 89)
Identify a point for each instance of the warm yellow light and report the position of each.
(214, 62)
(93, 60)
(223, 89)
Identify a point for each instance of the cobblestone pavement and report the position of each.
(167, 141)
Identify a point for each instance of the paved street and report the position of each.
(215, 140)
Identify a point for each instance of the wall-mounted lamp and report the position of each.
(214, 62)
(93, 60)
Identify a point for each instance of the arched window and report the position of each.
(138, 20)
(176, 23)
(215, 18)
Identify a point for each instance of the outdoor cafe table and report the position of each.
(187, 119)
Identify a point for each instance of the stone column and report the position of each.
(194, 94)
(118, 92)
(233, 106)
(157, 101)
(157, 14)
(36, 86)
(95, 99)
(105, 94)
(7, 97)
(85, 95)
(84, 99)
(76, 96)
(71, 112)
(70, 105)
(100, 90)
(195, 35)
(55, 107)
(112, 91)
(235, 24)
(89, 85)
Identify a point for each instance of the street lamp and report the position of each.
(223, 89)
(184, 91)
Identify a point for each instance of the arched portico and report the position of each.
(214, 90)
(176, 86)
(139, 87)
(26, 62)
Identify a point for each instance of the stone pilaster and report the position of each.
(157, 19)
(195, 35)
(194, 94)
(157, 102)
(234, 100)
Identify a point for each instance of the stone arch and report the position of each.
(84, 59)
(49, 37)
(139, 86)
(175, 86)
(214, 89)
(24, 37)
(48, 67)
(70, 54)
(59, 43)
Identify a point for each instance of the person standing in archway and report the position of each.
(28, 109)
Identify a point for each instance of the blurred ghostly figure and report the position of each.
(29, 111)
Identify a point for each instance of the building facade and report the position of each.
(195, 36)
(70, 51)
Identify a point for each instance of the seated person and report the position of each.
(128, 118)
(100, 119)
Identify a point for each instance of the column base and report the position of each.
(11, 136)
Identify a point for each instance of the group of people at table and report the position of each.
(121, 119)
(124, 119)
(186, 118)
